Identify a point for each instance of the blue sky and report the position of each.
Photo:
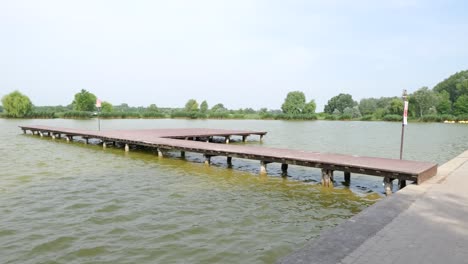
(240, 53)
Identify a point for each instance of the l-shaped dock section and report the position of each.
(200, 140)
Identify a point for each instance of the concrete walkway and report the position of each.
(425, 223)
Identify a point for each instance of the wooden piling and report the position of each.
(388, 185)
(244, 138)
(182, 154)
(160, 153)
(263, 167)
(347, 178)
(327, 178)
(284, 168)
(127, 148)
(401, 184)
(207, 159)
(229, 160)
(227, 139)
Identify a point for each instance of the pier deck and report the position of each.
(198, 141)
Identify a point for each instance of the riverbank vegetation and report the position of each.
(447, 101)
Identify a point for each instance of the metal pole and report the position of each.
(99, 120)
(402, 139)
(404, 122)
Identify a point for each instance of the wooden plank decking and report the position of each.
(170, 139)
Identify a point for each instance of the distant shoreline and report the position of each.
(318, 118)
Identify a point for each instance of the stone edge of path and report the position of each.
(335, 244)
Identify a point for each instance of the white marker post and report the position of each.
(98, 105)
(405, 121)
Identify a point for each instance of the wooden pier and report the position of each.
(200, 141)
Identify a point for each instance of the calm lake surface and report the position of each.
(71, 203)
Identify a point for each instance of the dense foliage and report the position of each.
(294, 103)
(17, 104)
(84, 101)
(339, 102)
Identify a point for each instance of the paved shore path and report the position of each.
(425, 223)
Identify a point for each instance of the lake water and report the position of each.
(76, 203)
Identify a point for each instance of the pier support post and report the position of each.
(388, 186)
(327, 178)
(40, 134)
(261, 138)
(160, 153)
(69, 138)
(207, 159)
(284, 168)
(263, 167)
(228, 138)
(53, 135)
(244, 138)
(127, 148)
(24, 131)
(104, 145)
(182, 154)
(401, 184)
(229, 161)
(347, 178)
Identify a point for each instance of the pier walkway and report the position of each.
(420, 224)
(199, 141)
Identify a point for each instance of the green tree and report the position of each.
(352, 112)
(367, 106)
(396, 107)
(339, 102)
(191, 105)
(153, 108)
(106, 107)
(218, 108)
(294, 103)
(17, 104)
(204, 107)
(424, 99)
(84, 101)
(444, 105)
(310, 107)
(456, 85)
(460, 107)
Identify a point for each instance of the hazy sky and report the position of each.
(241, 53)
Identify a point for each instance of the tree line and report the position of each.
(448, 100)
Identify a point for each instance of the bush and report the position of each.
(346, 116)
(238, 116)
(187, 114)
(153, 115)
(220, 115)
(431, 118)
(393, 118)
(366, 118)
(41, 114)
(330, 117)
(462, 118)
(77, 114)
(448, 117)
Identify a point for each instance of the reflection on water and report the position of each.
(72, 203)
